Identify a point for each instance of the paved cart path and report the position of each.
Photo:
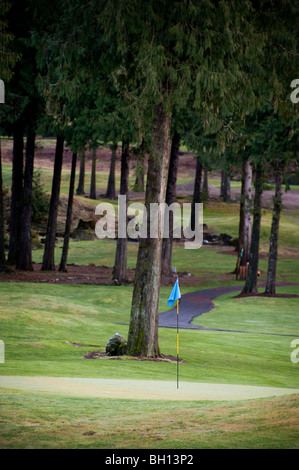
(195, 304)
(192, 305)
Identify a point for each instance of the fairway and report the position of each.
(138, 389)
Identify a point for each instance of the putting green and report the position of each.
(140, 389)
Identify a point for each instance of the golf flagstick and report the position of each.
(177, 340)
(174, 298)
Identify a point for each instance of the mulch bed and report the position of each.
(102, 355)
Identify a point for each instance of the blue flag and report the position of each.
(175, 294)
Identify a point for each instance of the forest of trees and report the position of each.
(215, 76)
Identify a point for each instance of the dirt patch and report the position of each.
(89, 274)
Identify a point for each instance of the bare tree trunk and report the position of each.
(245, 215)
(24, 255)
(251, 280)
(225, 186)
(68, 222)
(170, 198)
(246, 241)
(120, 264)
(273, 250)
(143, 329)
(48, 258)
(80, 188)
(205, 186)
(222, 184)
(93, 194)
(110, 194)
(196, 192)
(2, 223)
(16, 193)
(140, 168)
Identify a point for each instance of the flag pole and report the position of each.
(174, 297)
(177, 341)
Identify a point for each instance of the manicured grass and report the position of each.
(257, 314)
(37, 326)
(42, 421)
(99, 252)
(200, 262)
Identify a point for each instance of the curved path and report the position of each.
(192, 305)
(195, 304)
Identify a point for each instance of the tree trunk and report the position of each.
(251, 280)
(80, 188)
(245, 215)
(139, 171)
(2, 223)
(205, 186)
(93, 194)
(139, 180)
(225, 186)
(222, 184)
(68, 222)
(16, 192)
(48, 259)
(110, 194)
(24, 255)
(170, 198)
(120, 264)
(143, 330)
(273, 250)
(196, 192)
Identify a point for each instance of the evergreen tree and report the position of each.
(120, 263)
(92, 193)
(67, 232)
(245, 215)
(80, 188)
(21, 111)
(2, 244)
(110, 193)
(272, 143)
(251, 280)
(48, 263)
(170, 199)
(24, 257)
(8, 56)
(8, 60)
(273, 249)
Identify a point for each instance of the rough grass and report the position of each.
(47, 421)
